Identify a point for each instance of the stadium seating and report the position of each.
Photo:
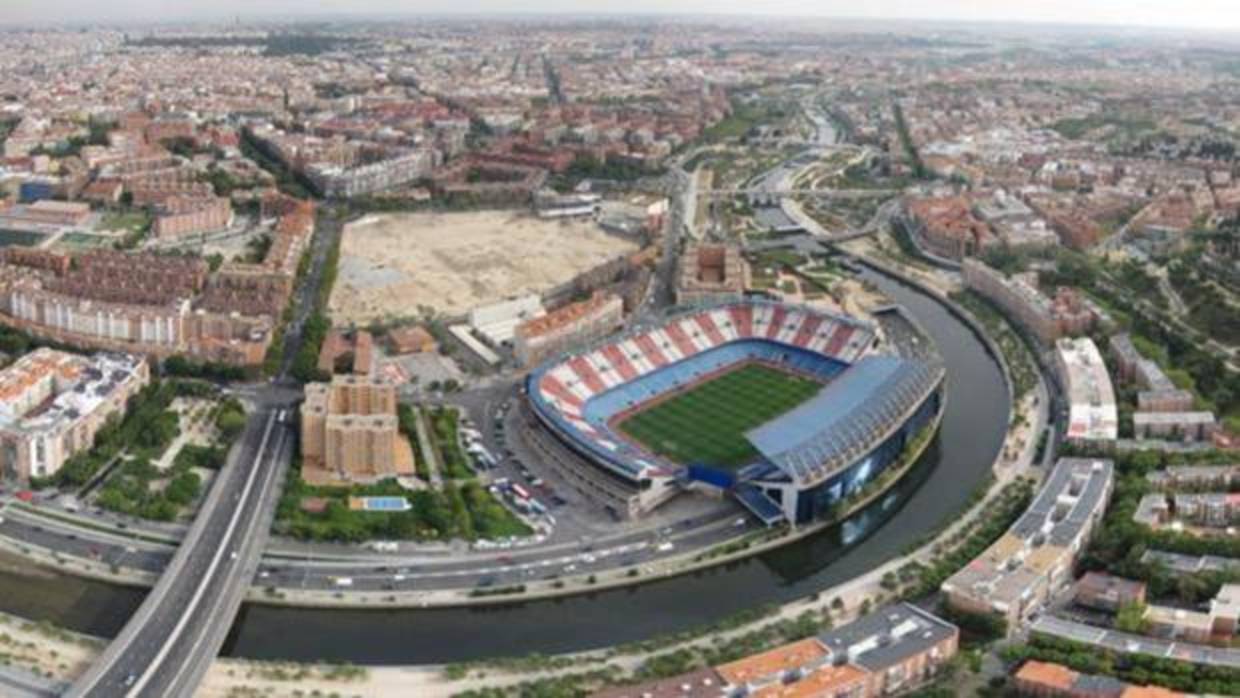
(580, 394)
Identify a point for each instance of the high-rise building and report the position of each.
(349, 432)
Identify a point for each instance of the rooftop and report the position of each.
(887, 637)
(772, 664)
(809, 441)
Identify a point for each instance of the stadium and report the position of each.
(789, 409)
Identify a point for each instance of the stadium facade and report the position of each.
(872, 404)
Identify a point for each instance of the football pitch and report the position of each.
(707, 423)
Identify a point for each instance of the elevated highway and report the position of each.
(167, 645)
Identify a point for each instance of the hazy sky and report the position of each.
(1209, 14)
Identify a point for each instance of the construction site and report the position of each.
(392, 266)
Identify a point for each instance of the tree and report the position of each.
(1130, 618)
(230, 420)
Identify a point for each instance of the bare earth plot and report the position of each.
(451, 262)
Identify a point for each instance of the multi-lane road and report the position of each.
(168, 643)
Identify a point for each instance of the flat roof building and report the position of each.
(711, 273)
(52, 404)
(1093, 415)
(1107, 592)
(349, 432)
(1035, 557)
(497, 322)
(1177, 426)
(901, 646)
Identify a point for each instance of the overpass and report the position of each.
(167, 645)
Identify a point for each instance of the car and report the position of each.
(130, 679)
(665, 546)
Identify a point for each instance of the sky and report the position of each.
(1198, 14)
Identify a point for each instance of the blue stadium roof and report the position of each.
(845, 418)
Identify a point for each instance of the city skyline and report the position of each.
(1216, 15)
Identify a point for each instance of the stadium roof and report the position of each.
(845, 418)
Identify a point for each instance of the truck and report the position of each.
(343, 581)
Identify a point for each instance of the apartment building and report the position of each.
(540, 338)
(46, 213)
(144, 303)
(886, 652)
(1093, 415)
(1219, 478)
(1045, 318)
(1014, 222)
(228, 338)
(1217, 624)
(349, 432)
(1174, 426)
(52, 404)
(1158, 393)
(945, 227)
(1046, 680)
(358, 348)
(1034, 559)
(334, 181)
(178, 216)
(1106, 592)
(711, 274)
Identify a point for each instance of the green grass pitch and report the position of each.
(707, 423)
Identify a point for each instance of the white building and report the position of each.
(52, 404)
(1087, 386)
(497, 322)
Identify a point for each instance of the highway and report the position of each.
(168, 643)
(372, 572)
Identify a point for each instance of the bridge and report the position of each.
(168, 644)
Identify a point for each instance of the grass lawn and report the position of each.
(707, 423)
(132, 221)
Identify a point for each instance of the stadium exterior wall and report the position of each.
(629, 500)
(818, 502)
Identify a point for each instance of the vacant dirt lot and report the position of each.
(392, 264)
